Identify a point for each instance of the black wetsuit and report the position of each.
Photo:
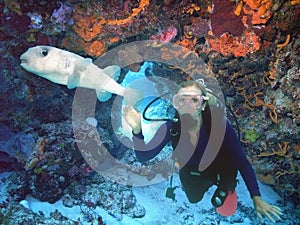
(221, 171)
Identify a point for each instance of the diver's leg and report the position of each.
(194, 184)
(226, 182)
(227, 179)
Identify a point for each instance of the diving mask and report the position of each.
(193, 100)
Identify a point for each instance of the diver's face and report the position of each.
(188, 100)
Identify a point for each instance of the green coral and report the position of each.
(38, 170)
(252, 135)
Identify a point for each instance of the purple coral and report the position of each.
(199, 28)
(61, 16)
(224, 20)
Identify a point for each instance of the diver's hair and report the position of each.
(191, 83)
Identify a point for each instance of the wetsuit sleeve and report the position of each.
(242, 163)
(145, 152)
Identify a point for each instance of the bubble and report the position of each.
(90, 142)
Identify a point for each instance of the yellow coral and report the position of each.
(253, 4)
(283, 148)
(35, 157)
(135, 12)
(260, 10)
(294, 2)
(193, 8)
(88, 27)
(273, 111)
(188, 43)
(238, 9)
(287, 40)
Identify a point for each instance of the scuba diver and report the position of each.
(190, 136)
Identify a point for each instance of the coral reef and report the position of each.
(268, 96)
(238, 34)
(251, 135)
(15, 213)
(61, 17)
(232, 24)
(199, 27)
(251, 46)
(116, 199)
(228, 45)
(166, 35)
(13, 6)
(19, 186)
(96, 48)
(259, 11)
(7, 163)
(87, 27)
(92, 26)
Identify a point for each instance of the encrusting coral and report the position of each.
(237, 37)
(87, 27)
(237, 46)
(91, 26)
(96, 48)
(223, 19)
(259, 10)
(294, 2)
(135, 12)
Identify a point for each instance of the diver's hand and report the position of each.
(133, 118)
(263, 208)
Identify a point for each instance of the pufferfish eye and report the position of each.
(44, 52)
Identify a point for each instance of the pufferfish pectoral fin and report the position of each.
(114, 72)
(79, 69)
(73, 80)
(103, 96)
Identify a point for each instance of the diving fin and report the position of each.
(230, 204)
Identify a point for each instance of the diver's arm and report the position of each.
(248, 174)
(234, 148)
(133, 118)
(145, 152)
(263, 208)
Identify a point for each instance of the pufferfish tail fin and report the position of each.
(132, 96)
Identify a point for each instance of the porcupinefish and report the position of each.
(67, 68)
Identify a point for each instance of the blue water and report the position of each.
(161, 108)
